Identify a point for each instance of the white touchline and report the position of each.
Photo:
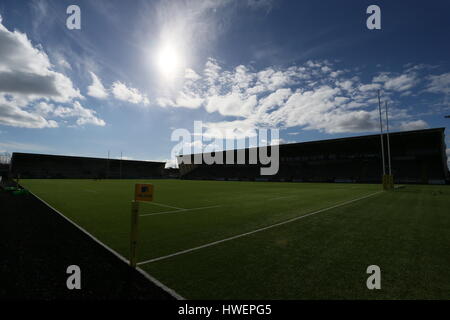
(255, 231)
(176, 211)
(163, 205)
(115, 253)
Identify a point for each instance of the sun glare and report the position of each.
(168, 61)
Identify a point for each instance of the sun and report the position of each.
(168, 60)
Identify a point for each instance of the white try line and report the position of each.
(176, 211)
(255, 231)
(152, 279)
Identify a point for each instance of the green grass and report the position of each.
(323, 256)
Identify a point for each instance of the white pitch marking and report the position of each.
(176, 211)
(115, 253)
(255, 231)
(164, 205)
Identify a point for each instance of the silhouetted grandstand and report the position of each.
(417, 157)
(5, 160)
(171, 173)
(29, 165)
(4, 170)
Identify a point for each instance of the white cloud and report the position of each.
(320, 109)
(122, 92)
(211, 72)
(25, 70)
(44, 108)
(63, 63)
(242, 77)
(187, 100)
(370, 87)
(96, 89)
(30, 87)
(236, 129)
(165, 102)
(346, 85)
(60, 60)
(83, 115)
(401, 83)
(439, 83)
(231, 105)
(270, 79)
(397, 83)
(413, 125)
(191, 74)
(131, 95)
(273, 100)
(11, 115)
(298, 96)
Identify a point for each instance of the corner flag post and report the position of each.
(134, 232)
(143, 192)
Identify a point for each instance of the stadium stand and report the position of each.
(43, 166)
(4, 170)
(5, 160)
(417, 156)
(171, 173)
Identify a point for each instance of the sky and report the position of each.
(138, 70)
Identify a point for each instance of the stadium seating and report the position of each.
(416, 156)
(29, 165)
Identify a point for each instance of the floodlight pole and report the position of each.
(120, 164)
(107, 167)
(388, 143)
(381, 134)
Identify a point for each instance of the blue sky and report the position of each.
(138, 70)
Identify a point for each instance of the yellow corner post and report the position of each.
(142, 192)
(388, 182)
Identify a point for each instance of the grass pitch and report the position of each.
(325, 255)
